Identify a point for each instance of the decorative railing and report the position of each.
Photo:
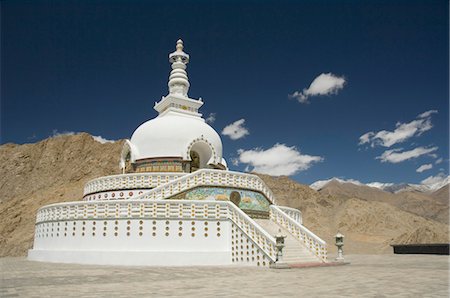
(264, 240)
(166, 209)
(206, 177)
(129, 181)
(133, 209)
(311, 241)
(295, 214)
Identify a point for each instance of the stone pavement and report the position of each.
(366, 276)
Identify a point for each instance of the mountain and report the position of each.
(369, 225)
(55, 170)
(442, 194)
(321, 183)
(50, 171)
(380, 185)
(395, 188)
(413, 201)
(388, 187)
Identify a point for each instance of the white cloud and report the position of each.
(439, 178)
(32, 137)
(102, 140)
(211, 118)
(56, 133)
(396, 155)
(402, 132)
(439, 160)
(365, 138)
(236, 130)
(278, 160)
(424, 167)
(427, 114)
(235, 161)
(324, 84)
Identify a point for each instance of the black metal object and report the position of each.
(428, 248)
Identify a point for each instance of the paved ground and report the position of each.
(366, 276)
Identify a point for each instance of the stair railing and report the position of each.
(310, 240)
(257, 234)
(208, 177)
(295, 214)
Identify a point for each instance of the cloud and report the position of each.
(424, 167)
(278, 160)
(102, 140)
(401, 133)
(396, 156)
(324, 84)
(365, 138)
(427, 114)
(235, 161)
(56, 133)
(211, 118)
(439, 160)
(32, 137)
(236, 130)
(439, 178)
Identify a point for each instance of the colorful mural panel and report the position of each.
(247, 200)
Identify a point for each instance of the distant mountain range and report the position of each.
(428, 201)
(388, 187)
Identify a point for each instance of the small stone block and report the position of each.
(279, 265)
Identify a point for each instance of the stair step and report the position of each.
(294, 250)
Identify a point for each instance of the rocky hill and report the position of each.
(55, 170)
(428, 205)
(442, 195)
(50, 171)
(371, 220)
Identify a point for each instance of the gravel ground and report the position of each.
(366, 276)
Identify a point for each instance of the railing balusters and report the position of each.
(310, 240)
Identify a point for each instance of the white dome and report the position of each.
(175, 135)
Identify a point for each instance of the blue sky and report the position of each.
(99, 66)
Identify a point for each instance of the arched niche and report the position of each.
(200, 156)
(235, 198)
(127, 157)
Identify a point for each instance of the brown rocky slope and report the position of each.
(369, 226)
(55, 170)
(50, 171)
(422, 204)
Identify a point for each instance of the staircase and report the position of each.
(293, 252)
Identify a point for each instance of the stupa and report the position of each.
(175, 203)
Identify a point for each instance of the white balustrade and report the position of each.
(311, 241)
(129, 181)
(265, 241)
(165, 185)
(207, 177)
(295, 214)
(164, 209)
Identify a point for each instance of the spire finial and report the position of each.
(180, 45)
(178, 79)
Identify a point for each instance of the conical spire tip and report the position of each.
(179, 45)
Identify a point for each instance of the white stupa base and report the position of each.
(132, 258)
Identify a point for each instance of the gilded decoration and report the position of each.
(159, 166)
